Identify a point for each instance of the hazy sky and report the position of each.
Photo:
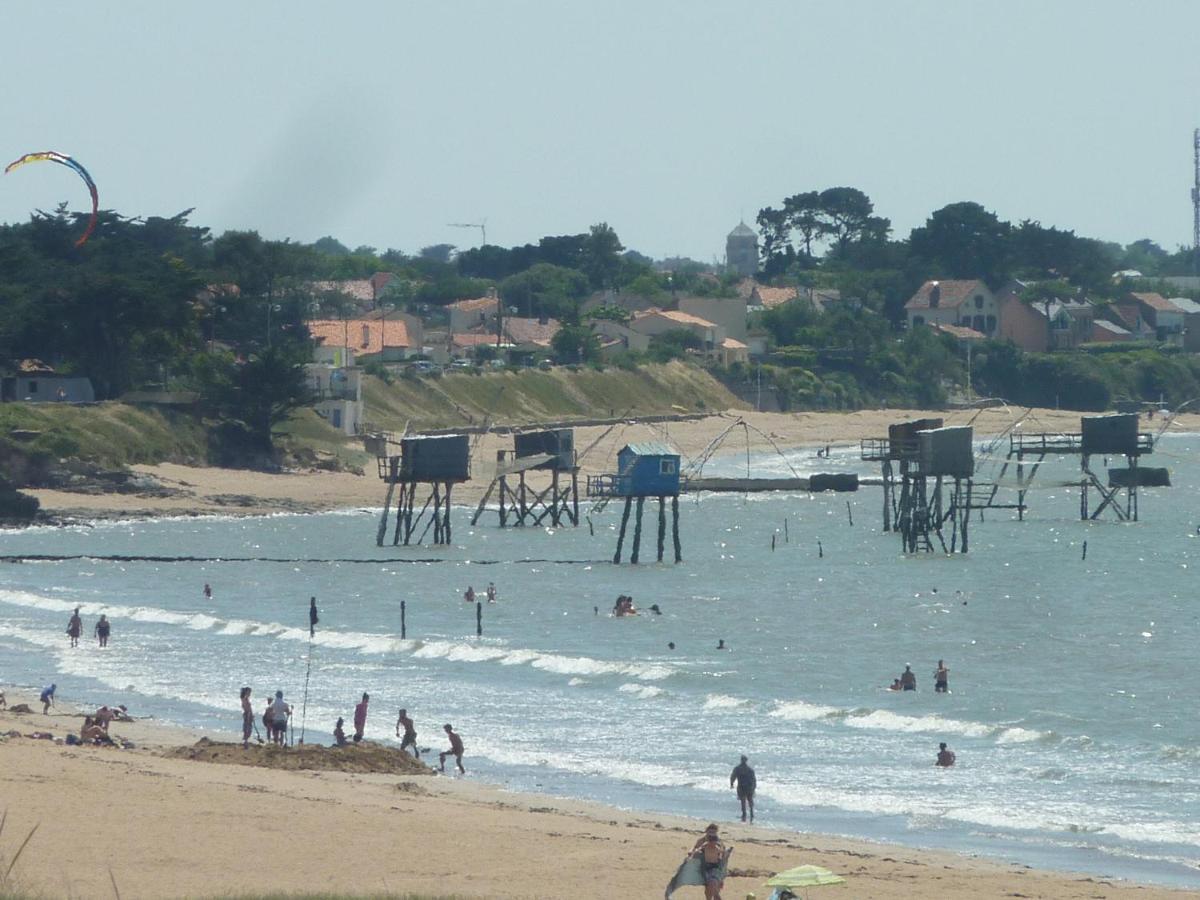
(381, 122)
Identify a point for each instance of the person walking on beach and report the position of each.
(47, 698)
(941, 678)
(711, 852)
(75, 627)
(456, 750)
(247, 718)
(280, 712)
(908, 679)
(491, 592)
(410, 733)
(945, 758)
(103, 627)
(743, 777)
(360, 718)
(469, 594)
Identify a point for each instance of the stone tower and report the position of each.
(741, 251)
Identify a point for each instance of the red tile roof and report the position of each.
(1156, 302)
(380, 334)
(951, 293)
(531, 331)
(961, 332)
(472, 339)
(770, 297)
(474, 303)
(358, 288)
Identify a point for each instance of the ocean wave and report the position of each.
(798, 710)
(724, 701)
(644, 691)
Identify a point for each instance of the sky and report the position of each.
(380, 123)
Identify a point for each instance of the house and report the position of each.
(1038, 326)
(1191, 323)
(465, 345)
(1106, 332)
(377, 339)
(474, 314)
(630, 302)
(758, 342)
(728, 312)
(616, 337)
(732, 350)
(765, 297)
(1163, 316)
(657, 321)
(337, 394)
(36, 382)
(647, 469)
(969, 303)
(530, 335)
(1128, 314)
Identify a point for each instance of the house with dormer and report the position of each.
(965, 303)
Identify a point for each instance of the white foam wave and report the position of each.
(799, 711)
(724, 701)
(886, 720)
(645, 691)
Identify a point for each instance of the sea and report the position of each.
(1072, 650)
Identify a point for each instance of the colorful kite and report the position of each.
(63, 160)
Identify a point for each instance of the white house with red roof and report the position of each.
(965, 303)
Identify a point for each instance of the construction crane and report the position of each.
(482, 226)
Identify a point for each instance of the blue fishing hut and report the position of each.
(439, 461)
(648, 469)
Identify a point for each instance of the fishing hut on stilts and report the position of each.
(1111, 435)
(545, 470)
(433, 462)
(927, 483)
(644, 470)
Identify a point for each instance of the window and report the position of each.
(979, 301)
(980, 323)
(32, 387)
(666, 467)
(366, 335)
(991, 324)
(918, 320)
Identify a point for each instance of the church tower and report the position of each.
(741, 251)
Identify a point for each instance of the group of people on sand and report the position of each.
(278, 713)
(469, 593)
(908, 679)
(102, 629)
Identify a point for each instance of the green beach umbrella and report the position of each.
(804, 877)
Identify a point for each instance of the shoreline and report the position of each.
(406, 833)
(193, 491)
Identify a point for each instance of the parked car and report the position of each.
(422, 367)
(545, 365)
(462, 364)
(497, 364)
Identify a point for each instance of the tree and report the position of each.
(964, 240)
(545, 290)
(805, 213)
(575, 344)
(601, 256)
(438, 252)
(845, 214)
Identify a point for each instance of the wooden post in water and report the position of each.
(675, 527)
(772, 543)
(849, 513)
(662, 525)
(575, 497)
(437, 513)
(446, 529)
(637, 531)
(403, 625)
(820, 550)
(1085, 550)
(479, 618)
(621, 533)
(786, 539)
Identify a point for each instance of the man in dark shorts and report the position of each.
(103, 629)
(712, 854)
(908, 679)
(743, 776)
(945, 757)
(456, 750)
(410, 732)
(941, 678)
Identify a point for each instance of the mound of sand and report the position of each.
(364, 757)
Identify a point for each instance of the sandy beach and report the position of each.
(238, 491)
(171, 827)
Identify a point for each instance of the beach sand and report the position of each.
(176, 827)
(239, 491)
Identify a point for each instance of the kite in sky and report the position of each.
(63, 160)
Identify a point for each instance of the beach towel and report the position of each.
(691, 872)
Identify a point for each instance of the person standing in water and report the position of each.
(469, 594)
(743, 777)
(207, 591)
(491, 592)
(410, 732)
(941, 678)
(103, 627)
(75, 627)
(908, 679)
(456, 749)
(945, 758)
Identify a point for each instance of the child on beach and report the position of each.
(410, 732)
(47, 698)
(339, 733)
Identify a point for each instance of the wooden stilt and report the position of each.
(446, 527)
(662, 525)
(574, 496)
(675, 528)
(554, 500)
(637, 531)
(381, 532)
(621, 533)
(503, 491)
